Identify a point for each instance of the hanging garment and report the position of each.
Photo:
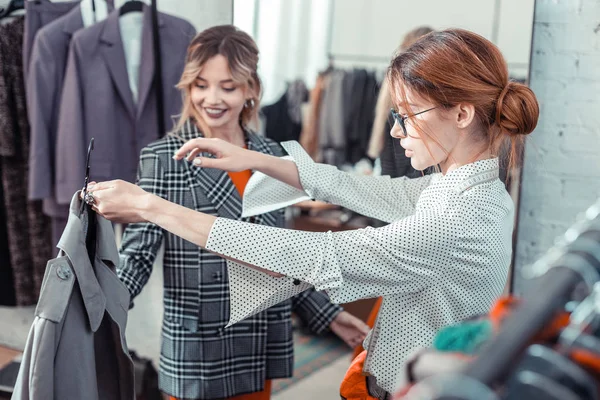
(380, 122)
(28, 228)
(7, 282)
(45, 82)
(332, 135)
(76, 348)
(97, 100)
(309, 137)
(39, 14)
(283, 119)
(199, 358)
(359, 110)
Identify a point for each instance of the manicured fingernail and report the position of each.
(197, 161)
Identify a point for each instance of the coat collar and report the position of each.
(72, 243)
(469, 175)
(72, 21)
(216, 184)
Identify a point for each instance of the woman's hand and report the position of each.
(118, 201)
(229, 157)
(349, 328)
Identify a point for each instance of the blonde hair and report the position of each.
(241, 53)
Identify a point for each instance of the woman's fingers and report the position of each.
(198, 145)
(193, 154)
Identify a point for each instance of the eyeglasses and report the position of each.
(401, 119)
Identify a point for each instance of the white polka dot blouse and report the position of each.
(443, 257)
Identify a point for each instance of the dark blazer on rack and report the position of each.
(28, 230)
(97, 101)
(76, 348)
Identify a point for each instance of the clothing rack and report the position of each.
(359, 57)
(569, 264)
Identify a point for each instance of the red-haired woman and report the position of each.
(446, 252)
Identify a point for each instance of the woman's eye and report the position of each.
(200, 86)
(229, 89)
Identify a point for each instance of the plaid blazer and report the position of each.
(199, 358)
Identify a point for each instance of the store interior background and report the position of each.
(555, 47)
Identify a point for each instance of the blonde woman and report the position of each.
(199, 358)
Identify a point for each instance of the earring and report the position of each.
(249, 103)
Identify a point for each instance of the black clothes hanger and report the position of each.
(131, 6)
(11, 7)
(90, 230)
(94, 10)
(545, 374)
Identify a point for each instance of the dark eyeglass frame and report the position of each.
(400, 119)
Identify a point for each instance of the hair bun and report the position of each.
(517, 109)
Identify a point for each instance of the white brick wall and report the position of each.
(561, 175)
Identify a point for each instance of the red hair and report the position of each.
(456, 66)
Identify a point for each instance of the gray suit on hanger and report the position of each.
(45, 82)
(40, 13)
(97, 100)
(76, 347)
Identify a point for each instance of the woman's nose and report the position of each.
(212, 97)
(396, 131)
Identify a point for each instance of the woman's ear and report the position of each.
(465, 115)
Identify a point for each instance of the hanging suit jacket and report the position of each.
(97, 101)
(40, 13)
(45, 82)
(76, 347)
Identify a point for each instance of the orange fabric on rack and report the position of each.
(354, 384)
(506, 305)
(240, 180)
(371, 322)
(264, 395)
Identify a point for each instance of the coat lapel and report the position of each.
(114, 57)
(147, 60)
(214, 183)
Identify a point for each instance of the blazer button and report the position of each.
(63, 271)
(220, 332)
(216, 276)
(296, 282)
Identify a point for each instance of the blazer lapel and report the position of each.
(214, 183)
(114, 57)
(147, 67)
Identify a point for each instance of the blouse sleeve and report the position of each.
(379, 197)
(402, 257)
